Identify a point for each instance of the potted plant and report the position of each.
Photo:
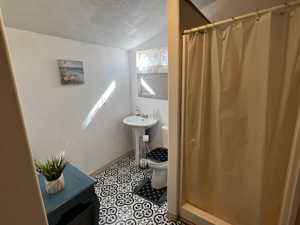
(52, 169)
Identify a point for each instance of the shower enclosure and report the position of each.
(240, 118)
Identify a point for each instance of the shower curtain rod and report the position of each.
(253, 14)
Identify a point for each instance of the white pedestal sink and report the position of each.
(138, 124)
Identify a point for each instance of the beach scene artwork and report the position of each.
(71, 72)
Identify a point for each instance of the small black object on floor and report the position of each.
(145, 190)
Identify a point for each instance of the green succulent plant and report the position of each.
(52, 168)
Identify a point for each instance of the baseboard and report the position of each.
(200, 217)
(172, 216)
(109, 164)
(186, 221)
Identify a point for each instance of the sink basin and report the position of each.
(138, 125)
(138, 121)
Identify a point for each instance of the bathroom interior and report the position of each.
(172, 111)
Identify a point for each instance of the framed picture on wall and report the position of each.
(71, 72)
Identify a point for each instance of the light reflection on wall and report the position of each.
(102, 100)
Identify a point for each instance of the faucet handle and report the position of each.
(145, 116)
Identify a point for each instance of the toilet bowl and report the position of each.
(157, 159)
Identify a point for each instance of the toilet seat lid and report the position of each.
(158, 154)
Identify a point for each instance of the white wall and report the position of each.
(147, 105)
(54, 113)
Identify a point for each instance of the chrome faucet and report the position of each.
(144, 116)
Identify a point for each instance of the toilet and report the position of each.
(157, 159)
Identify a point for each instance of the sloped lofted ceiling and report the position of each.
(216, 10)
(116, 23)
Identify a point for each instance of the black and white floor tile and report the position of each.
(119, 205)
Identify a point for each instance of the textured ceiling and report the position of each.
(117, 23)
(216, 10)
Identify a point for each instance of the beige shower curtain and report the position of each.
(241, 96)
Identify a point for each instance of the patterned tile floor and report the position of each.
(119, 205)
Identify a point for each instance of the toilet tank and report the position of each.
(165, 136)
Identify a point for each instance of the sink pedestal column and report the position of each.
(138, 133)
(139, 125)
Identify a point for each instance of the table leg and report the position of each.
(96, 207)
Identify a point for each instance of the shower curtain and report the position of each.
(240, 105)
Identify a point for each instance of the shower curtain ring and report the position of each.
(258, 15)
(282, 12)
(232, 20)
(205, 29)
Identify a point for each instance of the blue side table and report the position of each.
(78, 192)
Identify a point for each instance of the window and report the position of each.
(152, 73)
